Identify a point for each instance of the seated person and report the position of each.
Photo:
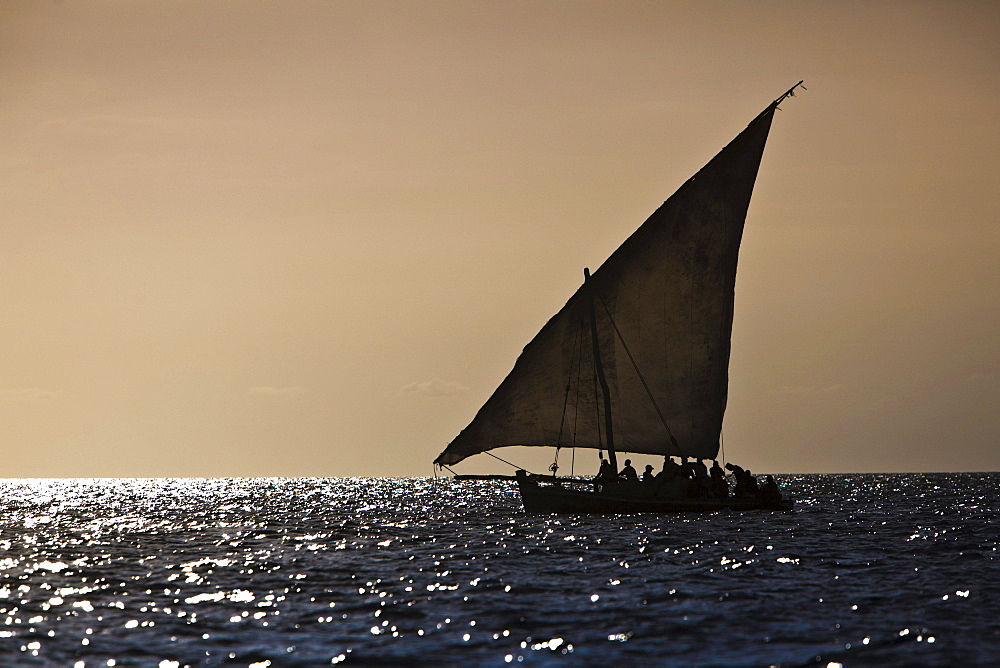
(605, 476)
(703, 482)
(669, 470)
(769, 491)
(628, 473)
(720, 488)
(746, 486)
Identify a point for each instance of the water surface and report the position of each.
(895, 569)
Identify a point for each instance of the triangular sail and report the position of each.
(667, 296)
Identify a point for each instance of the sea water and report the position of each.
(868, 569)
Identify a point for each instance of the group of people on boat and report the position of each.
(690, 477)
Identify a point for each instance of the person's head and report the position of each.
(730, 467)
(649, 467)
(628, 462)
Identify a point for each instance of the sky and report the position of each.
(311, 238)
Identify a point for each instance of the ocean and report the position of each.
(868, 569)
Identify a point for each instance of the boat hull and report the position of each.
(546, 499)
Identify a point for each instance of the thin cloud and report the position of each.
(434, 388)
(276, 392)
(805, 390)
(27, 394)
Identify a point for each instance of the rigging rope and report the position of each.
(487, 452)
(579, 381)
(569, 384)
(642, 379)
(576, 401)
(597, 412)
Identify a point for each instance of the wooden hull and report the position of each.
(547, 498)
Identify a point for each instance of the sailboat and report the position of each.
(638, 359)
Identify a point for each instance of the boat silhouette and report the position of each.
(638, 359)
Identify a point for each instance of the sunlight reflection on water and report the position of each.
(204, 572)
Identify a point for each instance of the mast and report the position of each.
(600, 371)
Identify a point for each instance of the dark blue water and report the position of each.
(893, 569)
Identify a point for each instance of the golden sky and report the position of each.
(311, 238)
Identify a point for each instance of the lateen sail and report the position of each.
(665, 298)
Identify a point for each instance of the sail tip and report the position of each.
(788, 93)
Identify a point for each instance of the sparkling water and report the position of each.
(897, 568)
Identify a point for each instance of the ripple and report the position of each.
(872, 569)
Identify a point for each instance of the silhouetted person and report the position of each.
(647, 475)
(605, 475)
(669, 470)
(698, 485)
(743, 487)
(769, 493)
(720, 488)
(701, 479)
(628, 473)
